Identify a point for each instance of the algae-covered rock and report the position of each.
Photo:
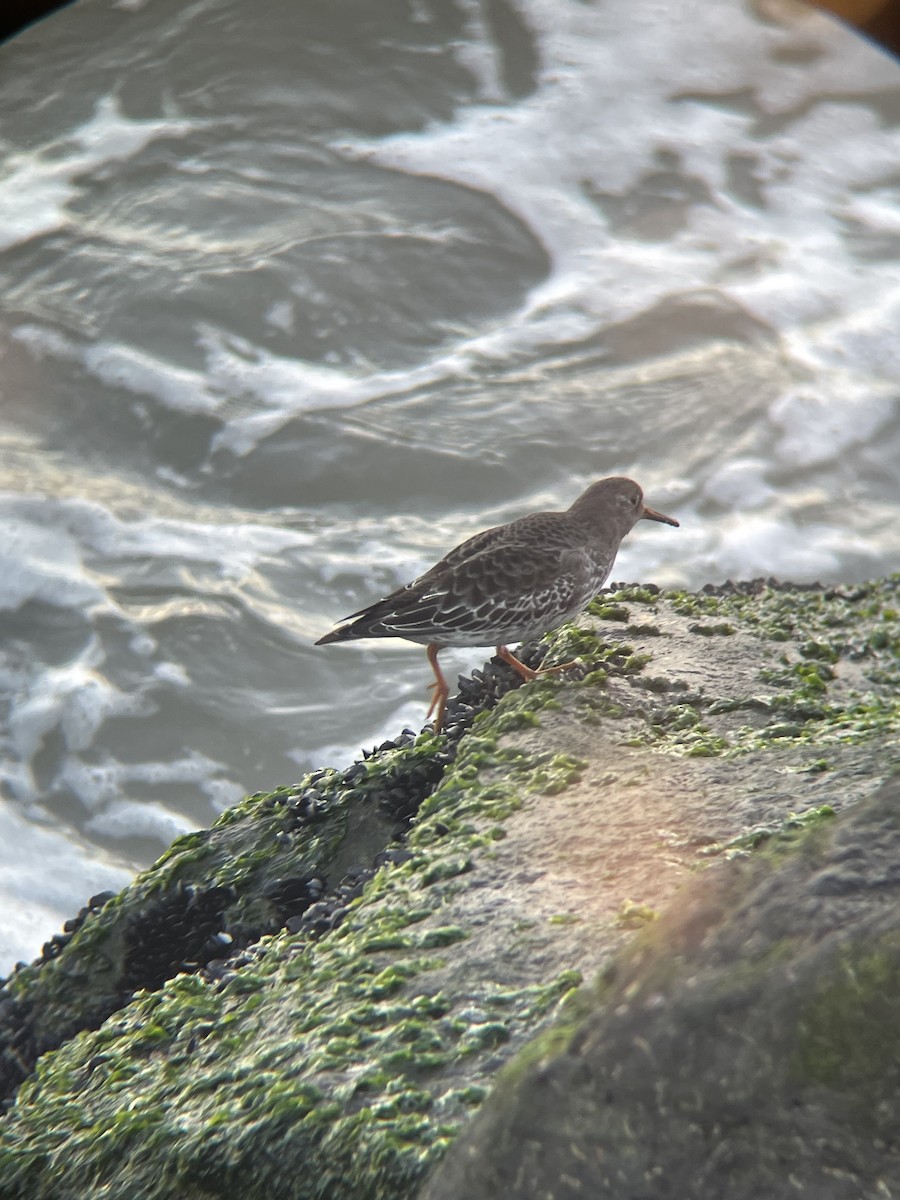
(262, 865)
(311, 999)
(748, 1046)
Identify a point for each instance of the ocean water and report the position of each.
(291, 306)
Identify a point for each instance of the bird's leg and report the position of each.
(441, 690)
(528, 673)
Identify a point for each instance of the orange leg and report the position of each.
(527, 672)
(441, 690)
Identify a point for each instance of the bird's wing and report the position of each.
(500, 586)
(494, 536)
(408, 597)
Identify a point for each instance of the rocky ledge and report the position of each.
(313, 998)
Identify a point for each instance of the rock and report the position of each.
(748, 1046)
(313, 997)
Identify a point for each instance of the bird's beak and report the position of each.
(650, 514)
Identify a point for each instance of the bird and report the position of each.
(508, 583)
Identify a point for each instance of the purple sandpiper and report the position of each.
(509, 583)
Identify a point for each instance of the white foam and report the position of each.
(96, 785)
(39, 563)
(231, 548)
(740, 483)
(45, 545)
(143, 644)
(866, 341)
(768, 546)
(35, 187)
(476, 52)
(266, 390)
(253, 390)
(614, 90)
(125, 819)
(538, 155)
(174, 673)
(743, 545)
(222, 793)
(60, 552)
(45, 877)
(878, 212)
(281, 315)
(137, 371)
(99, 785)
(338, 755)
(818, 424)
(117, 365)
(72, 698)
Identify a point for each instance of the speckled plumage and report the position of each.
(509, 583)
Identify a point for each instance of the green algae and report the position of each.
(847, 1035)
(608, 612)
(660, 684)
(693, 604)
(680, 727)
(793, 704)
(719, 629)
(368, 1149)
(341, 1053)
(578, 1002)
(798, 700)
(832, 620)
(225, 869)
(553, 773)
(634, 594)
(645, 630)
(572, 642)
(362, 1053)
(785, 833)
(816, 766)
(633, 915)
(521, 708)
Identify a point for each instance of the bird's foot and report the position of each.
(567, 666)
(529, 673)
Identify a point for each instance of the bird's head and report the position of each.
(616, 503)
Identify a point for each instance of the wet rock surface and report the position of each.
(314, 996)
(749, 1046)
